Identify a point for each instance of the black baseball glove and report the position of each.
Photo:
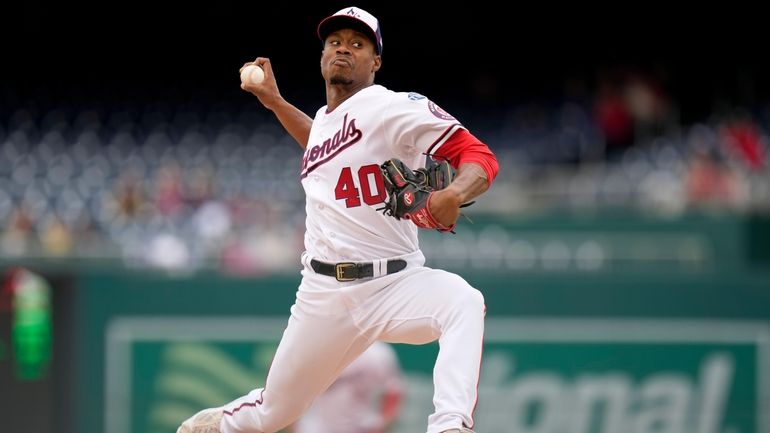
(409, 191)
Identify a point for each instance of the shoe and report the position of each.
(459, 430)
(205, 421)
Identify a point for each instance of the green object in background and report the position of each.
(31, 324)
(538, 375)
(160, 370)
(759, 240)
(629, 375)
(617, 387)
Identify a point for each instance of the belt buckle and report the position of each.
(340, 268)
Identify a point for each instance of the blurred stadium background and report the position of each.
(151, 216)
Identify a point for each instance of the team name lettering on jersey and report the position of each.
(346, 136)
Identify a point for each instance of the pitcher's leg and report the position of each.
(433, 303)
(313, 351)
(458, 364)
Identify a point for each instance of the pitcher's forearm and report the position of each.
(296, 122)
(470, 182)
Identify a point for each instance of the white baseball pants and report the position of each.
(333, 322)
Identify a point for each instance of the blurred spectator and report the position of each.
(169, 196)
(648, 106)
(90, 242)
(365, 398)
(212, 222)
(56, 237)
(238, 259)
(168, 251)
(743, 140)
(632, 108)
(17, 235)
(612, 117)
(709, 181)
(201, 188)
(128, 195)
(202, 193)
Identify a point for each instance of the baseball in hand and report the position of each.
(252, 74)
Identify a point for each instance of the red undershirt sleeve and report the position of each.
(463, 147)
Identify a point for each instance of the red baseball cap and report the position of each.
(353, 18)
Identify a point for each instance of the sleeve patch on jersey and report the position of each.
(439, 112)
(414, 96)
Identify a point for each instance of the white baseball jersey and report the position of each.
(353, 403)
(332, 322)
(341, 174)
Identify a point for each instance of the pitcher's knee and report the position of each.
(467, 304)
(477, 299)
(458, 289)
(470, 299)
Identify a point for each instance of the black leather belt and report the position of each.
(349, 271)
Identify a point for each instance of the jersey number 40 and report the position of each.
(368, 176)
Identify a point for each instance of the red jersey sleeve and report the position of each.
(462, 147)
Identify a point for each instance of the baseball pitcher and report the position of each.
(370, 176)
